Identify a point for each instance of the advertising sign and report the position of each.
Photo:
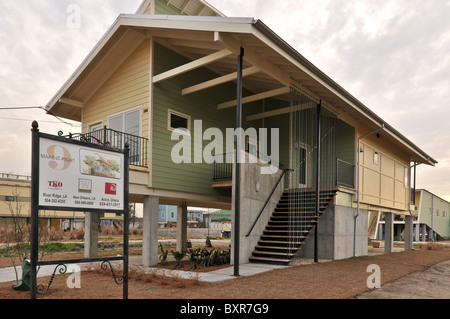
(80, 177)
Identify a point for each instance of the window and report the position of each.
(9, 198)
(128, 122)
(172, 215)
(179, 121)
(163, 215)
(376, 157)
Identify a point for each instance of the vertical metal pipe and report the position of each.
(237, 181)
(34, 208)
(414, 193)
(316, 230)
(126, 229)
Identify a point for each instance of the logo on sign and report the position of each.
(110, 188)
(84, 185)
(55, 185)
(59, 157)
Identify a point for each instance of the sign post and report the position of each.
(73, 175)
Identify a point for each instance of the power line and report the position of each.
(16, 119)
(21, 107)
(37, 107)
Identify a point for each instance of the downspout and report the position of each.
(357, 182)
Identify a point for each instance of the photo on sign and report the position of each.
(100, 164)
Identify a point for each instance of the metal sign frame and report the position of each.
(35, 207)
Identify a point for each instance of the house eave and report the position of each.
(141, 26)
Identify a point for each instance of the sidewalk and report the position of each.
(248, 269)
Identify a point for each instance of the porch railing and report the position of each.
(223, 167)
(345, 173)
(117, 139)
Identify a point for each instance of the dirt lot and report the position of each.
(341, 279)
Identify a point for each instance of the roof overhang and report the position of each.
(271, 66)
(188, 7)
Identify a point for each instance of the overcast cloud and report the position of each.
(393, 55)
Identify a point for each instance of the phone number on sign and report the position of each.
(109, 204)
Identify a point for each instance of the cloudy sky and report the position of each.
(393, 55)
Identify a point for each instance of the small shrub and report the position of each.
(163, 256)
(76, 234)
(55, 234)
(434, 246)
(179, 255)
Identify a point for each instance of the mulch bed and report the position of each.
(340, 279)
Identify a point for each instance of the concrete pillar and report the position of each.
(398, 229)
(389, 233)
(150, 231)
(430, 234)
(424, 232)
(91, 221)
(417, 232)
(408, 234)
(182, 227)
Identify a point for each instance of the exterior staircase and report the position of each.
(290, 224)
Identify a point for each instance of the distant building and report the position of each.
(431, 219)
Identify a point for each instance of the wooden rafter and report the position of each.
(255, 97)
(220, 80)
(72, 102)
(192, 65)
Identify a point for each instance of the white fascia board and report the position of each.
(100, 44)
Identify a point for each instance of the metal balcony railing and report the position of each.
(116, 139)
(345, 174)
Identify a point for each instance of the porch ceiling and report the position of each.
(270, 66)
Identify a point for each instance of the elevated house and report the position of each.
(172, 78)
(431, 219)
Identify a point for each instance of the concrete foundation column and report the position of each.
(182, 227)
(398, 229)
(380, 231)
(91, 221)
(150, 231)
(389, 233)
(430, 234)
(408, 234)
(416, 232)
(424, 232)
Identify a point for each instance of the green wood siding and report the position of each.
(162, 7)
(192, 177)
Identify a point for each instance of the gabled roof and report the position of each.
(189, 7)
(271, 66)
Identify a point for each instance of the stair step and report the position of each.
(280, 237)
(279, 249)
(274, 254)
(269, 260)
(279, 243)
(276, 244)
(288, 226)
